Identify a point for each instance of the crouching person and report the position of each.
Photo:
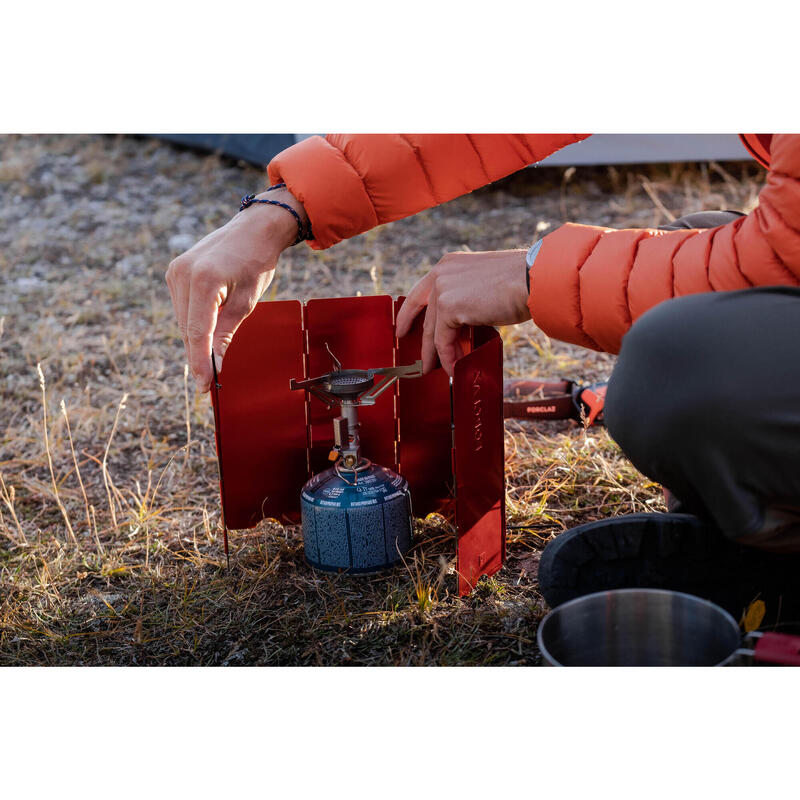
(704, 314)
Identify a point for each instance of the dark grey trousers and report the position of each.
(705, 400)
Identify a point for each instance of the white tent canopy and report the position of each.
(649, 148)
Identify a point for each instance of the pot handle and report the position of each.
(777, 648)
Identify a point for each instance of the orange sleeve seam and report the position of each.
(777, 257)
(773, 171)
(428, 181)
(480, 157)
(626, 285)
(782, 219)
(672, 263)
(359, 176)
(579, 324)
(736, 254)
(711, 238)
(523, 141)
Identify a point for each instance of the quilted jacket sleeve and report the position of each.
(589, 284)
(349, 183)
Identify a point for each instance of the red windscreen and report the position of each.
(261, 425)
(268, 435)
(479, 459)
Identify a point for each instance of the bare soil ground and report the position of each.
(110, 545)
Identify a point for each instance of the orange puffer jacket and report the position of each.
(588, 284)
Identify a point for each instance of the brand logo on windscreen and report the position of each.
(477, 412)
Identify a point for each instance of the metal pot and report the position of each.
(654, 628)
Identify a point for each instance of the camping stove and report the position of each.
(445, 437)
(356, 515)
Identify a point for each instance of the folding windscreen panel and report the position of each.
(261, 431)
(478, 458)
(445, 439)
(360, 332)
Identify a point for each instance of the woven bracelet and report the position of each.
(250, 199)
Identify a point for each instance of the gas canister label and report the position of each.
(371, 489)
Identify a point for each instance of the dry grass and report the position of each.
(110, 547)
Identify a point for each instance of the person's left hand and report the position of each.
(465, 289)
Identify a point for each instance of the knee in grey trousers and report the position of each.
(705, 399)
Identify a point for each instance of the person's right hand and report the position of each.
(217, 283)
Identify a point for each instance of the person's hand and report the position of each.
(465, 289)
(216, 284)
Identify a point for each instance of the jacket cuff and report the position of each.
(555, 299)
(311, 169)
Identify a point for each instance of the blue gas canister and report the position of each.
(360, 521)
(356, 515)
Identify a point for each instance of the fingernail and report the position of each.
(218, 362)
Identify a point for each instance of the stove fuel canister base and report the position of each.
(362, 528)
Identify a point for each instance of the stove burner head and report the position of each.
(354, 386)
(348, 382)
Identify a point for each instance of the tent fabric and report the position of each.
(650, 148)
(254, 148)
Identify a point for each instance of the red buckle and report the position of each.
(593, 400)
